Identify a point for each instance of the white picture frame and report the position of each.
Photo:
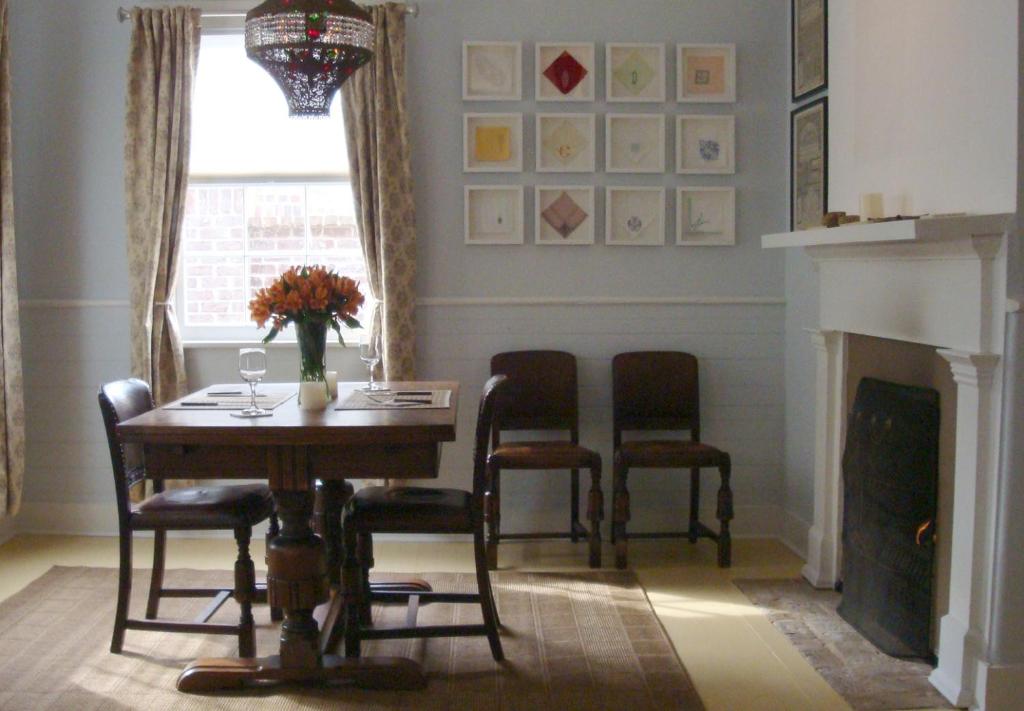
(634, 72)
(493, 214)
(706, 73)
(492, 71)
(705, 216)
(546, 53)
(634, 216)
(566, 143)
(705, 144)
(634, 143)
(492, 143)
(560, 228)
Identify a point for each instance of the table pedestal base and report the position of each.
(392, 673)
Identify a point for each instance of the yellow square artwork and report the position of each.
(705, 75)
(493, 144)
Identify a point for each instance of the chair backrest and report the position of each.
(655, 390)
(542, 392)
(122, 400)
(485, 420)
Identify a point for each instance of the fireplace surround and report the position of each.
(939, 282)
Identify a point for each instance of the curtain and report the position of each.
(12, 421)
(377, 134)
(161, 71)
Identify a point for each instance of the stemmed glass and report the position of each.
(252, 366)
(369, 353)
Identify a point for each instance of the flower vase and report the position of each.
(314, 392)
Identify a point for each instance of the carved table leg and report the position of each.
(620, 513)
(595, 513)
(725, 515)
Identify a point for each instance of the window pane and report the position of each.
(240, 123)
(332, 220)
(214, 290)
(264, 270)
(214, 221)
(275, 216)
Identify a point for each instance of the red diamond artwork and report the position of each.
(565, 72)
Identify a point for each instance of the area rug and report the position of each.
(866, 678)
(572, 641)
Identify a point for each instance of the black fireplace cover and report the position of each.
(890, 496)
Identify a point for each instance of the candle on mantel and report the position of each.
(871, 206)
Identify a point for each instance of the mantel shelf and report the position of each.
(926, 229)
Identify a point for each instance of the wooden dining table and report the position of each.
(291, 450)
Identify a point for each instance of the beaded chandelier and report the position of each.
(310, 47)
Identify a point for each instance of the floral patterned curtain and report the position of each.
(12, 410)
(377, 133)
(161, 72)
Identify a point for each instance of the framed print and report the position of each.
(808, 165)
(705, 216)
(809, 51)
(564, 71)
(492, 143)
(565, 214)
(706, 73)
(705, 144)
(634, 72)
(634, 143)
(565, 143)
(493, 214)
(634, 216)
(492, 71)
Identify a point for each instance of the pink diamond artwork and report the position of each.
(565, 72)
(564, 215)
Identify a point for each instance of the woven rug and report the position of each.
(572, 641)
(868, 679)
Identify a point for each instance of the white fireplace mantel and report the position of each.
(939, 282)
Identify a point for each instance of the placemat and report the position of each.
(397, 400)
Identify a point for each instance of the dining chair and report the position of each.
(542, 397)
(418, 510)
(659, 391)
(236, 508)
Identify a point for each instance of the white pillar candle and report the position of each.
(332, 383)
(312, 396)
(871, 207)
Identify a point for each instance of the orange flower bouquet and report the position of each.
(313, 298)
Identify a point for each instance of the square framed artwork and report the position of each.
(705, 216)
(566, 143)
(634, 143)
(564, 71)
(809, 51)
(564, 214)
(706, 73)
(492, 71)
(808, 165)
(492, 143)
(634, 72)
(705, 144)
(493, 214)
(634, 217)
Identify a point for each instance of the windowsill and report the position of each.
(273, 345)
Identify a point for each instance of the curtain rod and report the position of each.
(123, 14)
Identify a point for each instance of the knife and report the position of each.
(200, 404)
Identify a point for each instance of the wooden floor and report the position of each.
(736, 658)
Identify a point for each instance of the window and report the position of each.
(265, 192)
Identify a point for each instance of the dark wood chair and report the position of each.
(236, 508)
(377, 509)
(659, 391)
(542, 397)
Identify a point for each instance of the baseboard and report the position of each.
(794, 533)
(8, 528)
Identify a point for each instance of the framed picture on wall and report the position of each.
(492, 71)
(634, 143)
(493, 214)
(809, 51)
(705, 144)
(564, 71)
(634, 217)
(565, 143)
(565, 214)
(808, 165)
(706, 73)
(492, 143)
(634, 72)
(706, 216)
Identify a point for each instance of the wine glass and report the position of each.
(252, 366)
(369, 353)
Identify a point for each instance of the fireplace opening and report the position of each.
(890, 497)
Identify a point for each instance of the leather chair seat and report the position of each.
(543, 455)
(669, 453)
(410, 510)
(205, 507)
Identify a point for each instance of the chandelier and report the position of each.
(310, 47)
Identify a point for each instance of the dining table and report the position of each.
(291, 449)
